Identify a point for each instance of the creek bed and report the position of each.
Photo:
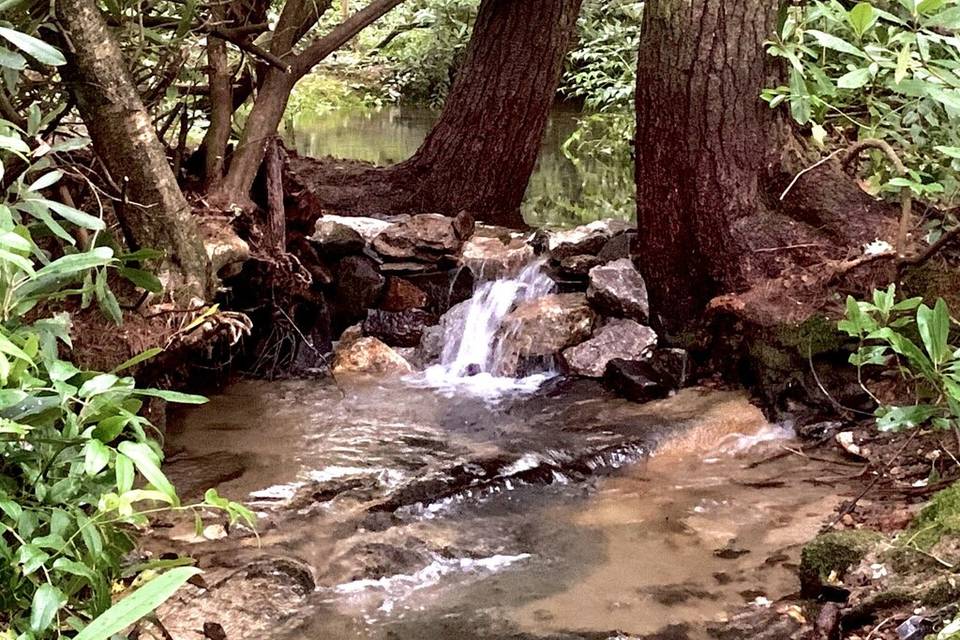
(415, 514)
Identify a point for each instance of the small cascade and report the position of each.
(471, 356)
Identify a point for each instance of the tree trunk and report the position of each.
(157, 216)
(482, 151)
(703, 138)
(221, 104)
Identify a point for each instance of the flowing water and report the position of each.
(563, 190)
(456, 504)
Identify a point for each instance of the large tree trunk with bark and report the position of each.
(713, 162)
(156, 215)
(702, 140)
(481, 153)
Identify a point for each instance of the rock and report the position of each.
(335, 238)
(832, 553)
(425, 237)
(672, 367)
(585, 239)
(431, 345)
(405, 267)
(544, 327)
(464, 225)
(369, 356)
(579, 265)
(624, 339)
(617, 289)
(402, 295)
(617, 247)
(366, 228)
(398, 328)
(490, 258)
(444, 288)
(634, 380)
(358, 287)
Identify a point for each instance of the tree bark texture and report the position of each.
(157, 214)
(483, 149)
(701, 144)
(221, 104)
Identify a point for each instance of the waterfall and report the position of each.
(471, 354)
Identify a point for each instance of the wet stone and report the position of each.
(617, 289)
(359, 285)
(493, 257)
(402, 295)
(369, 356)
(623, 339)
(398, 328)
(635, 380)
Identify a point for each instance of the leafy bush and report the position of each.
(883, 70)
(914, 340)
(72, 442)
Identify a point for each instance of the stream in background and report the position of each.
(562, 192)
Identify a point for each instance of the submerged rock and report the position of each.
(618, 289)
(369, 356)
(624, 339)
(492, 257)
(425, 237)
(402, 295)
(586, 239)
(398, 328)
(635, 380)
(544, 327)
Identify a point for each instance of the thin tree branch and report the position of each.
(250, 47)
(906, 202)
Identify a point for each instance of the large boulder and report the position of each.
(402, 295)
(624, 339)
(617, 289)
(544, 327)
(425, 237)
(586, 239)
(369, 356)
(493, 257)
(398, 328)
(359, 285)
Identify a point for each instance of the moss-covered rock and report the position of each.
(940, 517)
(833, 553)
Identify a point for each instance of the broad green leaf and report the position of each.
(854, 79)
(862, 18)
(899, 418)
(76, 263)
(124, 472)
(146, 462)
(947, 19)
(76, 216)
(934, 327)
(96, 457)
(927, 7)
(799, 98)
(137, 605)
(953, 152)
(36, 49)
(143, 279)
(46, 180)
(12, 59)
(837, 44)
(97, 384)
(47, 601)
(903, 63)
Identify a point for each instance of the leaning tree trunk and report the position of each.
(702, 140)
(156, 214)
(481, 153)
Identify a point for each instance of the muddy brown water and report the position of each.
(416, 514)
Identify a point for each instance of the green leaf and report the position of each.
(837, 44)
(108, 301)
(862, 18)
(952, 152)
(137, 605)
(799, 98)
(948, 19)
(934, 327)
(148, 465)
(97, 385)
(96, 457)
(47, 601)
(36, 49)
(77, 217)
(124, 473)
(143, 279)
(173, 396)
(46, 180)
(904, 58)
(854, 79)
(137, 359)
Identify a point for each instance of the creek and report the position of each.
(565, 190)
(453, 503)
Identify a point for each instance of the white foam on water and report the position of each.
(472, 358)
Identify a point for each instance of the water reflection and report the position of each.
(562, 191)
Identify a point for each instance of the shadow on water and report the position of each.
(563, 191)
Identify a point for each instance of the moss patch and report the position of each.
(833, 552)
(939, 518)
